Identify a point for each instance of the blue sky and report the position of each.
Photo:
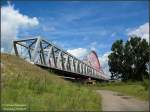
(80, 24)
(83, 24)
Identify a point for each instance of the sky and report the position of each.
(76, 26)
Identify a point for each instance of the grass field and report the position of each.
(136, 89)
(37, 89)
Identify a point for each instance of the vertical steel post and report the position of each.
(54, 59)
(62, 62)
(41, 58)
(92, 71)
(83, 68)
(48, 57)
(29, 53)
(15, 48)
(78, 67)
(42, 53)
(58, 60)
(66, 63)
(69, 65)
(36, 49)
(74, 65)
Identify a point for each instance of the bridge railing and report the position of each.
(42, 52)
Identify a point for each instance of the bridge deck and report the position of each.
(67, 73)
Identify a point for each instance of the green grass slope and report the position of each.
(26, 84)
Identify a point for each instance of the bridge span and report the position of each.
(46, 54)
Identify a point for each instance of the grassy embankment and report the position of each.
(38, 89)
(139, 90)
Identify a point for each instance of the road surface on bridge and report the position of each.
(114, 101)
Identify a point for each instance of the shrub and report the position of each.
(145, 84)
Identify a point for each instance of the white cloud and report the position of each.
(49, 29)
(93, 46)
(104, 63)
(79, 52)
(2, 49)
(142, 31)
(11, 23)
(113, 34)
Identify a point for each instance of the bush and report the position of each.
(145, 84)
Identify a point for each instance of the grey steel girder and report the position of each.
(42, 52)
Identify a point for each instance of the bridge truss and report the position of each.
(45, 54)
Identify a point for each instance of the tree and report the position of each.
(128, 60)
(115, 59)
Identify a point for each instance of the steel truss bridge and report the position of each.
(45, 54)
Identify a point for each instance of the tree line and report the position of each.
(129, 60)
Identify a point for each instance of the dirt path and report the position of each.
(113, 101)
